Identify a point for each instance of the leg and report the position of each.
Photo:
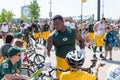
(110, 55)
(94, 50)
(100, 48)
(110, 50)
(106, 53)
(91, 38)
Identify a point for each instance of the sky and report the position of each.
(65, 7)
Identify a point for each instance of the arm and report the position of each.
(49, 44)
(94, 74)
(80, 40)
(14, 77)
(95, 28)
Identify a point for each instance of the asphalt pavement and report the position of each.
(102, 71)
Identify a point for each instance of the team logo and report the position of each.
(5, 65)
(26, 11)
(65, 39)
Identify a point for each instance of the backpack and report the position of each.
(111, 39)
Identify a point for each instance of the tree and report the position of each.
(3, 15)
(9, 15)
(6, 15)
(24, 18)
(34, 10)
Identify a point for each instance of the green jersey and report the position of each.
(46, 27)
(90, 28)
(7, 68)
(1, 75)
(64, 42)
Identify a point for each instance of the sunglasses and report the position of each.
(19, 55)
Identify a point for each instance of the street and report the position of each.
(102, 71)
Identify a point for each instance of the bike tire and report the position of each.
(39, 59)
(26, 71)
(30, 53)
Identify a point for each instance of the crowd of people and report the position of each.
(64, 34)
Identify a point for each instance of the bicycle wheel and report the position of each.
(39, 59)
(30, 53)
(26, 71)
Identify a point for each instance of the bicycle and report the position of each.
(39, 75)
(30, 68)
(38, 58)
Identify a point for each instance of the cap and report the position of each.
(19, 35)
(14, 51)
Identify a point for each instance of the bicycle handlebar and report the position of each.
(56, 69)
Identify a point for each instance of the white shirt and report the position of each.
(100, 28)
(71, 24)
(4, 28)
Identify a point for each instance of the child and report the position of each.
(8, 66)
(108, 47)
(9, 39)
(75, 60)
(19, 44)
(20, 37)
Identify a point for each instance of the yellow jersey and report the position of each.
(77, 75)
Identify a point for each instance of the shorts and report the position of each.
(36, 35)
(45, 35)
(61, 63)
(108, 48)
(91, 36)
(99, 40)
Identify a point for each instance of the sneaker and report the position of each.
(94, 56)
(110, 58)
(104, 59)
(101, 56)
